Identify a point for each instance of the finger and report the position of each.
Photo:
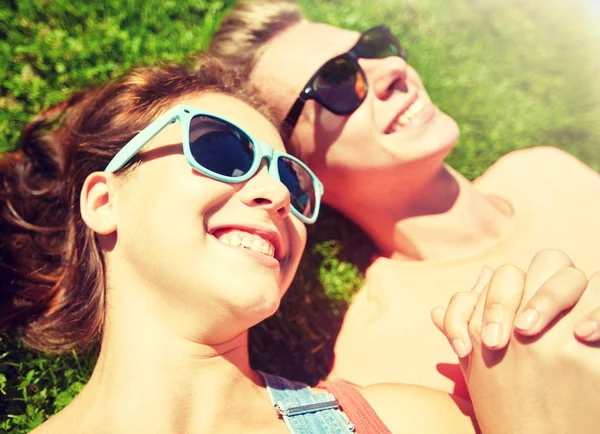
(560, 292)
(453, 321)
(501, 303)
(458, 315)
(484, 279)
(456, 321)
(476, 317)
(437, 315)
(543, 266)
(588, 328)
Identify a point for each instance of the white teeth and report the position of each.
(415, 109)
(266, 249)
(256, 245)
(252, 243)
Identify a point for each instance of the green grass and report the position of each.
(514, 73)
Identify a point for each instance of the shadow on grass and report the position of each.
(298, 341)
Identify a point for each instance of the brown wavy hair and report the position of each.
(245, 31)
(243, 36)
(51, 267)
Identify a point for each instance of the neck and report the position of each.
(437, 217)
(149, 379)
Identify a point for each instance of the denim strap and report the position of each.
(303, 411)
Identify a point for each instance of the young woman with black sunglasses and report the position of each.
(359, 115)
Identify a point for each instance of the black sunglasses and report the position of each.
(340, 85)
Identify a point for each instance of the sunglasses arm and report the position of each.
(290, 120)
(141, 139)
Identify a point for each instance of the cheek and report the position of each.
(159, 204)
(148, 198)
(300, 229)
(297, 243)
(317, 137)
(345, 141)
(154, 216)
(414, 77)
(329, 123)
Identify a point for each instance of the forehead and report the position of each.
(294, 55)
(238, 112)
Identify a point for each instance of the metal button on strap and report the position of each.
(306, 408)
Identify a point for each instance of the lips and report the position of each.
(258, 240)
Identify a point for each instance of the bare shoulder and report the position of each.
(51, 426)
(544, 158)
(541, 174)
(63, 422)
(419, 410)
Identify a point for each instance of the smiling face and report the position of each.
(212, 255)
(396, 127)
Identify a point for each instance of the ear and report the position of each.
(98, 203)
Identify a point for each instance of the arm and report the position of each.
(418, 410)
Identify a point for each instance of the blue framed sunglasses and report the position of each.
(221, 150)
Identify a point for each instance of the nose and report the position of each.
(385, 75)
(264, 191)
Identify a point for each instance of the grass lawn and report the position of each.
(513, 73)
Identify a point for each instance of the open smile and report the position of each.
(418, 111)
(245, 240)
(259, 241)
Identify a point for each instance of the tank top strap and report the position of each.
(302, 410)
(356, 407)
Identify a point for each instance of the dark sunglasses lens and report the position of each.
(340, 85)
(300, 185)
(379, 43)
(220, 147)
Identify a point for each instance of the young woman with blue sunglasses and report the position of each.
(161, 217)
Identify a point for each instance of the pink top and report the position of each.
(356, 407)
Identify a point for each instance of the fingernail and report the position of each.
(459, 348)
(585, 328)
(527, 319)
(491, 334)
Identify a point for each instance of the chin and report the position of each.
(445, 140)
(260, 304)
(449, 132)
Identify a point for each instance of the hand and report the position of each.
(544, 383)
(553, 285)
